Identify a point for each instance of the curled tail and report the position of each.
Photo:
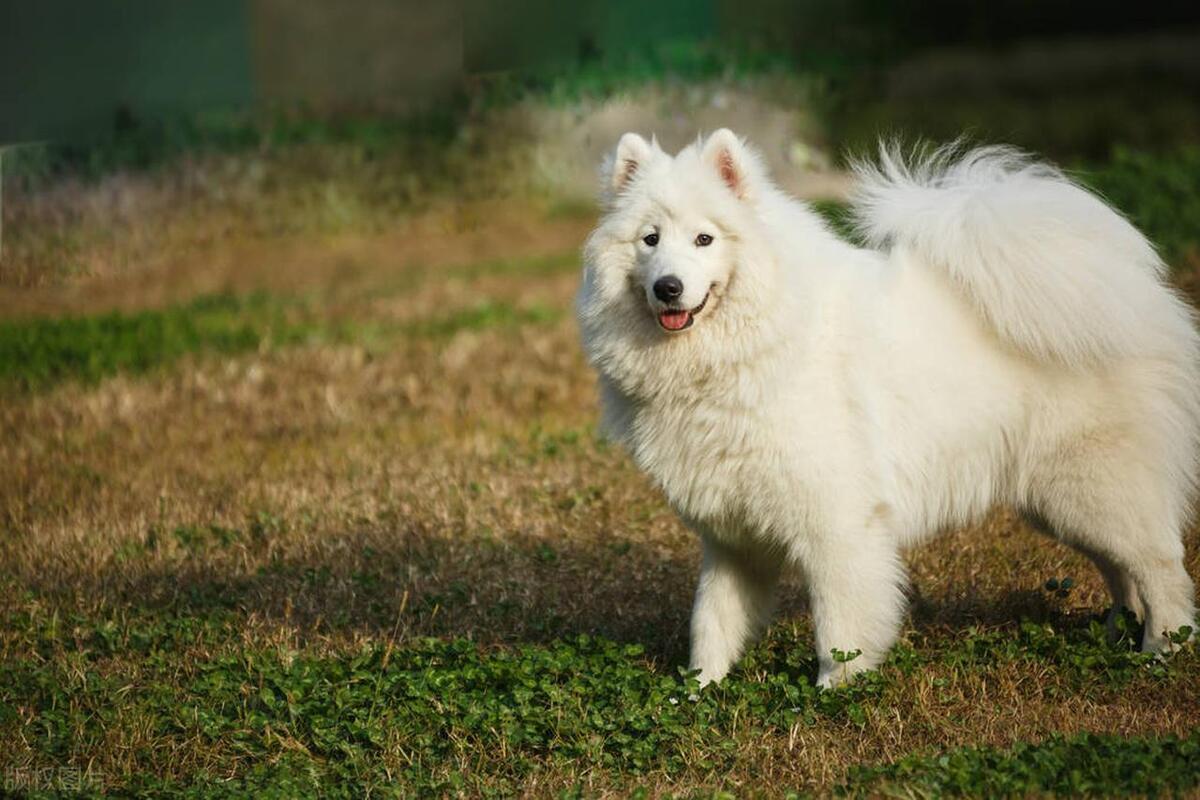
(1052, 268)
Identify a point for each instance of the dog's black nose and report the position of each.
(668, 288)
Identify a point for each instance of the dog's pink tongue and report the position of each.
(674, 320)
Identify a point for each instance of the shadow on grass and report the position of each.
(400, 585)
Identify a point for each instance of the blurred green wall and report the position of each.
(499, 36)
(72, 69)
(66, 68)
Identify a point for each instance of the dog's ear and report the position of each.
(631, 154)
(731, 159)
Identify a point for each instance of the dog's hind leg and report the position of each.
(1121, 588)
(1108, 503)
(734, 601)
(1146, 575)
(1120, 583)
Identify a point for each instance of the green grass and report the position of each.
(41, 352)
(1159, 192)
(430, 717)
(1095, 765)
(443, 716)
(486, 315)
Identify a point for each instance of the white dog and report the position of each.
(805, 403)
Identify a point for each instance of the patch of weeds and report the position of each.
(134, 549)
(552, 444)
(40, 352)
(1087, 764)
(367, 581)
(409, 719)
(380, 716)
(51, 634)
(264, 524)
(579, 500)
(484, 316)
(1080, 654)
(198, 538)
(291, 776)
(313, 577)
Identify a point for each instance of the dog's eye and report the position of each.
(650, 239)
(703, 240)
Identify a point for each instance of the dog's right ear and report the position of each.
(631, 154)
(731, 159)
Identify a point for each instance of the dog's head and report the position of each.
(676, 263)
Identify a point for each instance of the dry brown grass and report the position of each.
(464, 473)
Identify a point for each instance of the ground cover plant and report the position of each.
(326, 514)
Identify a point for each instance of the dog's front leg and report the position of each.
(856, 591)
(734, 600)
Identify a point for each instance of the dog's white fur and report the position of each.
(1008, 338)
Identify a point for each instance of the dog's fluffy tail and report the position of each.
(1052, 268)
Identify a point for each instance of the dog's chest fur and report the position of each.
(721, 465)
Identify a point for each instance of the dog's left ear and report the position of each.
(632, 154)
(726, 153)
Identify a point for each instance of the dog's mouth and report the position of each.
(680, 319)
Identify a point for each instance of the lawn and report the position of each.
(320, 509)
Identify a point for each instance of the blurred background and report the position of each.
(289, 382)
(381, 107)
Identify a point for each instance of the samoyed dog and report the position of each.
(810, 405)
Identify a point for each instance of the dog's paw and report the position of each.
(842, 667)
(1168, 641)
(707, 675)
(828, 680)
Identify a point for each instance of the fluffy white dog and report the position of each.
(805, 403)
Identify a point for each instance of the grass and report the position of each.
(329, 517)
(1093, 765)
(1159, 192)
(435, 716)
(39, 352)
